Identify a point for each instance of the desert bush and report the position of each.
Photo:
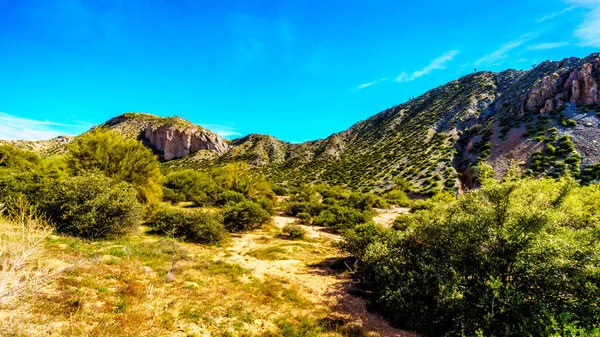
(90, 206)
(279, 190)
(418, 205)
(128, 160)
(14, 158)
(266, 203)
(341, 217)
(192, 225)
(518, 257)
(230, 197)
(364, 201)
(304, 218)
(312, 209)
(405, 222)
(244, 216)
(238, 177)
(305, 193)
(402, 184)
(172, 195)
(294, 232)
(190, 185)
(397, 197)
(360, 237)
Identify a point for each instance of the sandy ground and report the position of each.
(386, 217)
(320, 282)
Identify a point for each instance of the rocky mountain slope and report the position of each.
(56, 145)
(543, 119)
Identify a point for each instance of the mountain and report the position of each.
(45, 148)
(544, 119)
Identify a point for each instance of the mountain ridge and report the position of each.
(543, 119)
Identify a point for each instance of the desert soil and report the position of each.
(323, 284)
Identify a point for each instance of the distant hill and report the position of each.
(544, 119)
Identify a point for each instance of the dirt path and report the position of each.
(315, 274)
(386, 217)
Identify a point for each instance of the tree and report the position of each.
(190, 185)
(238, 177)
(15, 158)
(128, 160)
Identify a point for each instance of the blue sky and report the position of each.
(297, 70)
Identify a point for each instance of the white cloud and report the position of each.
(222, 130)
(502, 52)
(555, 14)
(366, 85)
(588, 32)
(19, 128)
(547, 46)
(437, 64)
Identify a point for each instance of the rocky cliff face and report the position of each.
(173, 143)
(574, 81)
(171, 137)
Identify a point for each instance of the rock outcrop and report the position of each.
(578, 85)
(172, 142)
(582, 86)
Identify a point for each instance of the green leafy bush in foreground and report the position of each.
(244, 216)
(89, 206)
(519, 257)
(192, 225)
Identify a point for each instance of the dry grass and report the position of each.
(21, 238)
(23, 266)
(145, 285)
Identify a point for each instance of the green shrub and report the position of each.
(172, 195)
(230, 197)
(357, 239)
(89, 206)
(304, 218)
(192, 225)
(238, 177)
(266, 203)
(92, 206)
(128, 160)
(514, 258)
(418, 205)
(279, 190)
(14, 158)
(190, 185)
(397, 197)
(404, 222)
(304, 207)
(294, 232)
(244, 216)
(339, 218)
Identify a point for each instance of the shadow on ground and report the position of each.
(350, 302)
